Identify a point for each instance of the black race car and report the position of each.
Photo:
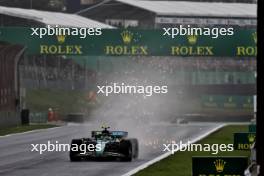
(104, 144)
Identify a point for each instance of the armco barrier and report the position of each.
(75, 117)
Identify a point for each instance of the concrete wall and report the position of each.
(9, 119)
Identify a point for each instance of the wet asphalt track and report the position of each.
(16, 159)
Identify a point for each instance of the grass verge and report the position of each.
(180, 163)
(23, 128)
(40, 100)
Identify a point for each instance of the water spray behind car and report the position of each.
(137, 113)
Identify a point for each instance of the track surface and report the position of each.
(16, 159)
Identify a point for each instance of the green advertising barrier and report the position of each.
(219, 166)
(252, 128)
(227, 102)
(220, 77)
(38, 117)
(243, 141)
(132, 42)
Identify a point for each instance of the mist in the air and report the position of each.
(137, 113)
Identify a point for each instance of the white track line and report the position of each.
(31, 131)
(145, 165)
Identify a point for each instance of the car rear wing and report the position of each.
(117, 134)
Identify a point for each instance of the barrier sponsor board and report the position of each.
(244, 141)
(219, 166)
(227, 102)
(252, 128)
(132, 42)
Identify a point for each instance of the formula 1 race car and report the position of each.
(104, 144)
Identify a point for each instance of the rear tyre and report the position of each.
(74, 150)
(126, 149)
(135, 148)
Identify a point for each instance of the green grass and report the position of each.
(39, 100)
(180, 164)
(23, 128)
(66, 102)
